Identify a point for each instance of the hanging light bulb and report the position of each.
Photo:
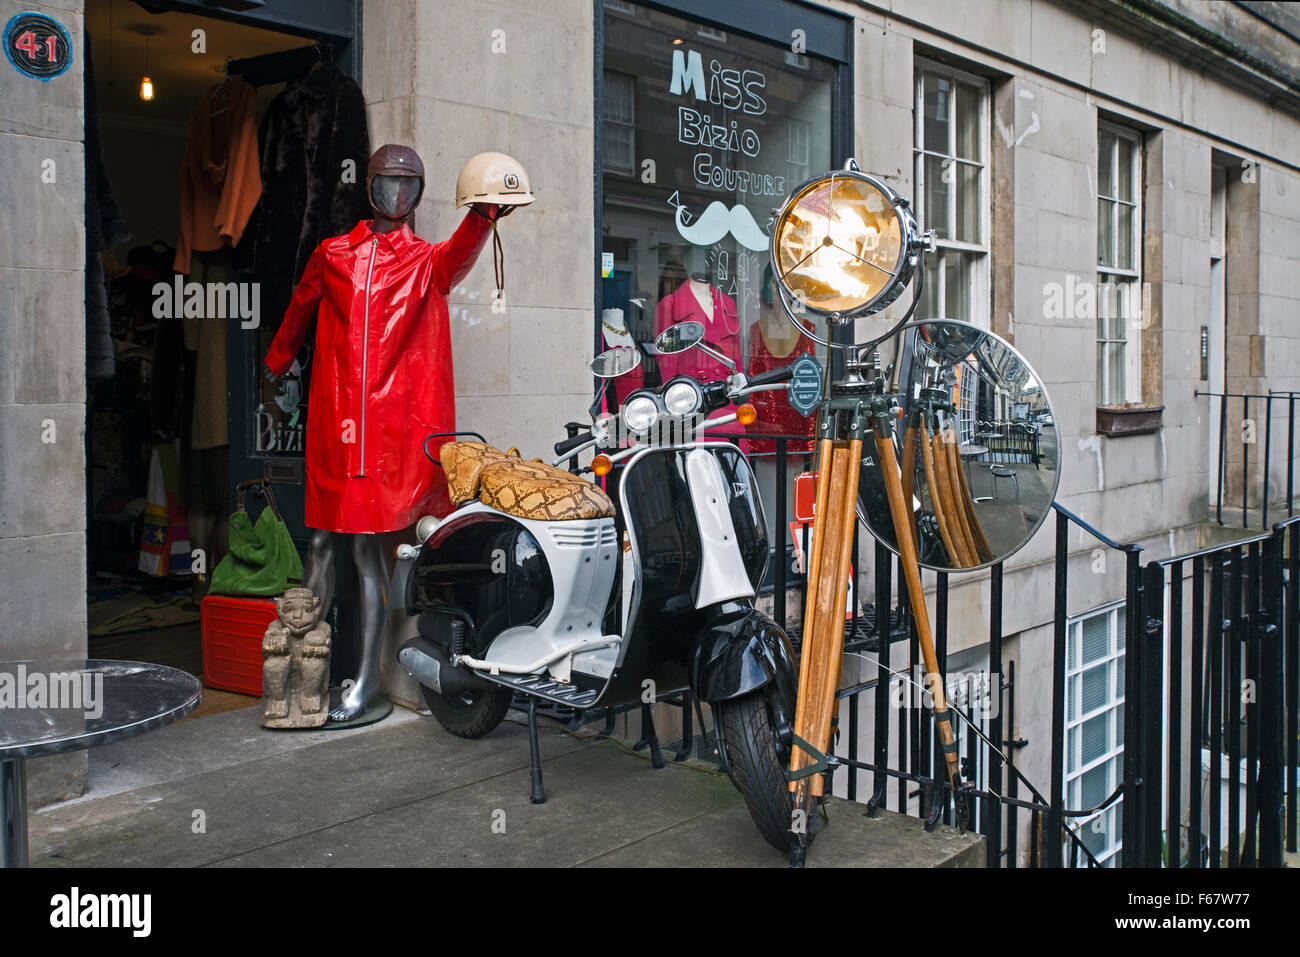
(146, 84)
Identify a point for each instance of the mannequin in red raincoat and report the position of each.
(382, 384)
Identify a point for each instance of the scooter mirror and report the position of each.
(679, 338)
(977, 447)
(615, 362)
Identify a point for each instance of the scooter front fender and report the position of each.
(739, 651)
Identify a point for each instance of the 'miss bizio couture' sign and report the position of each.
(730, 90)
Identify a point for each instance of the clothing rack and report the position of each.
(283, 65)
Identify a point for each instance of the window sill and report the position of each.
(1118, 420)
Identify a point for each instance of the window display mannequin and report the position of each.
(382, 384)
(697, 299)
(614, 330)
(775, 342)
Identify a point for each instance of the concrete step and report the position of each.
(221, 791)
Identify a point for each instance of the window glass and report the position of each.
(719, 129)
(1094, 726)
(951, 186)
(1119, 232)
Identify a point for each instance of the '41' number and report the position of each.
(27, 44)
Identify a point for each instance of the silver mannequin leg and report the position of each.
(320, 567)
(374, 573)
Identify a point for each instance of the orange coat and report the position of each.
(220, 181)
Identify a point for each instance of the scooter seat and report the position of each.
(520, 488)
(463, 462)
(535, 490)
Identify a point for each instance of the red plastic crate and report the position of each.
(232, 641)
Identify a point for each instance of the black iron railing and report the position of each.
(1255, 455)
(1229, 615)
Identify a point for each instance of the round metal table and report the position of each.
(53, 706)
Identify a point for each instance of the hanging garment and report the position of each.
(105, 227)
(220, 182)
(164, 543)
(313, 129)
(721, 331)
(208, 338)
(383, 377)
(775, 414)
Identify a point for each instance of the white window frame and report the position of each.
(1113, 757)
(798, 140)
(607, 167)
(979, 293)
(1129, 278)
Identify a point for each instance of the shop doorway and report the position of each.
(173, 398)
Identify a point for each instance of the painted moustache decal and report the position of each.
(717, 221)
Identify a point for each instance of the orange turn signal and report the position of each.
(601, 465)
(746, 414)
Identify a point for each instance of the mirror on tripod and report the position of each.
(977, 449)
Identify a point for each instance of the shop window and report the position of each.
(951, 176)
(618, 106)
(1119, 265)
(1094, 725)
(714, 131)
(701, 141)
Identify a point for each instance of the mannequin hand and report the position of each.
(491, 211)
(270, 376)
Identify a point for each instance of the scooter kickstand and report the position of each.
(539, 794)
(649, 735)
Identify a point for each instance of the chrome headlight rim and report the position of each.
(683, 385)
(640, 412)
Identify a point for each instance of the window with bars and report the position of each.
(1119, 264)
(951, 175)
(1094, 726)
(618, 106)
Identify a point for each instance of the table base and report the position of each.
(13, 813)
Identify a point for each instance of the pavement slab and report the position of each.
(222, 791)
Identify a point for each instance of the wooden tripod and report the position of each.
(844, 420)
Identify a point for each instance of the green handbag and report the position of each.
(263, 559)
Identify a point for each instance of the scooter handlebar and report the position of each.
(770, 377)
(566, 446)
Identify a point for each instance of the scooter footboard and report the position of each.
(740, 651)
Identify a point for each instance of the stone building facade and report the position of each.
(1200, 102)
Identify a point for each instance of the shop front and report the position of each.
(226, 140)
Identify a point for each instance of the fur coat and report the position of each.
(311, 128)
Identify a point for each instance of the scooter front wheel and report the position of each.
(758, 769)
(470, 714)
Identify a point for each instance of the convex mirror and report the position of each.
(977, 447)
(679, 338)
(615, 362)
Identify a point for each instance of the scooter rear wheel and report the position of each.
(757, 768)
(471, 714)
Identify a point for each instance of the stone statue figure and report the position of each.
(296, 663)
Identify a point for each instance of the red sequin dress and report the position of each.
(775, 414)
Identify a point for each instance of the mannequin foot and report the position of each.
(352, 705)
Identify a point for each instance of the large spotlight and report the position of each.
(844, 246)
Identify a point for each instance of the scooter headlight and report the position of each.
(640, 413)
(682, 398)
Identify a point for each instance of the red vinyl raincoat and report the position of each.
(382, 378)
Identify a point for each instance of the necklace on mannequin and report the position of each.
(616, 331)
(715, 308)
